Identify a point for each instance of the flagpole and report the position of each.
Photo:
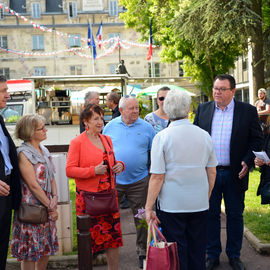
(91, 47)
(93, 62)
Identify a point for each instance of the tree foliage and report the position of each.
(207, 34)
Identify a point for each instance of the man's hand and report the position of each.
(244, 170)
(4, 188)
(258, 162)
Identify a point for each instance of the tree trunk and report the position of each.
(257, 51)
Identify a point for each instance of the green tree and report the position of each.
(207, 34)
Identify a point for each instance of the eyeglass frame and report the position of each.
(221, 89)
(41, 129)
(161, 98)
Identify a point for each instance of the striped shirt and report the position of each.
(221, 132)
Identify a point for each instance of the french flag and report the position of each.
(99, 35)
(150, 49)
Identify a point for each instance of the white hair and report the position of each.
(90, 95)
(123, 100)
(177, 104)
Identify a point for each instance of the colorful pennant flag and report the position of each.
(91, 41)
(150, 48)
(99, 35)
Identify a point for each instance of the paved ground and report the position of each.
(128, 259)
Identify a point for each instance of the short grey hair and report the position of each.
(123, 100)
(90, 95)
(262, 90)
(177, 104)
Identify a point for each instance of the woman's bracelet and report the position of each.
(54, 195)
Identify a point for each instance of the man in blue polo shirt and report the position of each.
(132, 139)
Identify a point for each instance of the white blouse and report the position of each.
(182, 152)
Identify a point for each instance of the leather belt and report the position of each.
(222, 168)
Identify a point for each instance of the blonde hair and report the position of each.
(27, 125)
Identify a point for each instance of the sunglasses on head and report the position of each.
(161, 98)
(131, 95)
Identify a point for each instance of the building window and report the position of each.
(156, 70)
(5, 72)
(38, 42)
(74, 40)
(39, 71)
(113, 68)
(36, 10)
(1, 13)
(18, 5)
(244, 63)
(72, 9)
(3, 42)
(113, 8)
(180, 69)
(76, 70)
(54, 6)
(115, 36)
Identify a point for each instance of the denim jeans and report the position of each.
(234, 207)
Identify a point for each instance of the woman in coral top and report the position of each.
(86, 162)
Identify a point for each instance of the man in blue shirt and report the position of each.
(10, 188)
(132, 139)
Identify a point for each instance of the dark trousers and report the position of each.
(5, 220)
(234, 207)
(189, 230)
(136, 194)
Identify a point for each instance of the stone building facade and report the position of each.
(66, 23)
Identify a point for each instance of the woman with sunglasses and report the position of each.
(159, 119)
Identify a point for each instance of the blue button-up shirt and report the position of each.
(221, 133)
(4, 148)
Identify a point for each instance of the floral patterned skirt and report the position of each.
(33, 241)
(105, 230)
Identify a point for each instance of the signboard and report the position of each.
(90, 5)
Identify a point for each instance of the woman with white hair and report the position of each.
(183, 168)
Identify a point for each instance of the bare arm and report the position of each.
(54, 200)
(266, 111)
(155, 184)
(211, 175)
(29, 177)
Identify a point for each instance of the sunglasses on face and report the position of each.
(161, 98)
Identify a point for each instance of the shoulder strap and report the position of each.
(108, 141)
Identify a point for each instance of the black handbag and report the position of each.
(265, 193)
(32, 213)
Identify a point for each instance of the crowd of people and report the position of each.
(178, 171)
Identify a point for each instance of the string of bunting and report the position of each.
(123, 43)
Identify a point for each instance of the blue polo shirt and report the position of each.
(131, 144)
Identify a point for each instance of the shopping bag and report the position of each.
(162, 255)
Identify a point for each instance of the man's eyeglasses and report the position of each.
(161, 98)
(221, 89)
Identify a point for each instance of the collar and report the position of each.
(180, 122)
(133, 124)
(228, 108)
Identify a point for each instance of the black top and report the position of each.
(115, 112)
(265, 169)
